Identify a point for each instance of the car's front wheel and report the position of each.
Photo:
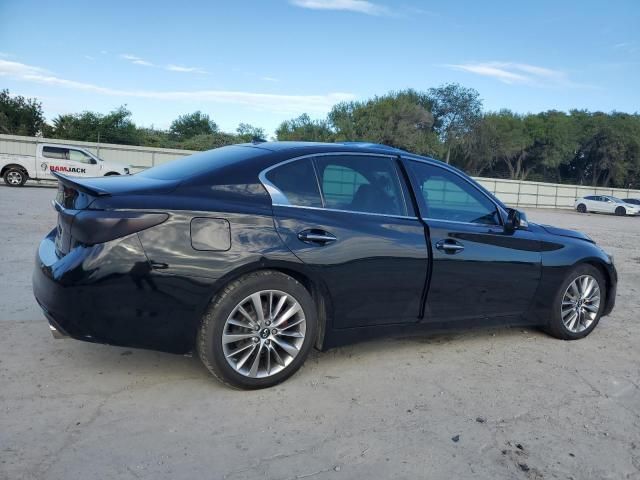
(258, 331)
(620, 211)
(578, 304)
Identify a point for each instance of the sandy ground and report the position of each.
(519, 403)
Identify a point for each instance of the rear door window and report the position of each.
(361, 183)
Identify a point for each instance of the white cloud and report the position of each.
(136, 60)
(170, 67)
(518, 73)
(179, 68)
(359, 6)
(269, 79)
(272, 102)
(90, 58)
(16, 69)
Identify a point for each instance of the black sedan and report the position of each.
(632, 201)
(253, 254)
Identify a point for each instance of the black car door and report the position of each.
(349, 219)
(479, 270)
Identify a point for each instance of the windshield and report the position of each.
(616, 199)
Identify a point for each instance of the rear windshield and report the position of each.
(201, 163)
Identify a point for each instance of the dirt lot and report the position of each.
(490, 404)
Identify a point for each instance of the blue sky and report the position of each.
(264, 61)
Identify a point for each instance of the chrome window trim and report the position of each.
(498, 208)
(353, 212)
(315, 172)
(280, 199)
(486, 225)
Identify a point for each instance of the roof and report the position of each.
(326, 146)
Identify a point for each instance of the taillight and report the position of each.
(98, 226)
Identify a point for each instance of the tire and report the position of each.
(582, 208)
(111, 174)
(228, 366)
(621, 211)
(15, 177)
(557, 327)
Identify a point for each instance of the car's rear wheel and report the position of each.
(578, 304)
(15, 177)
(582, 208)
(258, 331)
(620, 211)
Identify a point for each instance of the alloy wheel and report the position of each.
(580, 303)
(264, 333)
(14, 178)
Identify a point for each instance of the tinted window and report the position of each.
(297, 182)
(361, 184)
(590, 197)
(56, 152)
(447, 196)
(201, 163)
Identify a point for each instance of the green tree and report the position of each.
(555, 142)
(20, 115)
(455, 109)
(207, 141)
(114, 127)
(192, 124)
(247, 133)
(510, 143)
(609, 152)
(476, 153)
(303, 128)
(399, 119)
(152, 137)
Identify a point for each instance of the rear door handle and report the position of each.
(449, 246)
(319, 237)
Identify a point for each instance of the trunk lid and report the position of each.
(76, 195)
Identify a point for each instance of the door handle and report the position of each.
(316, 236)
(449, 246)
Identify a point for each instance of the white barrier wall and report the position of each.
(514, 193)
(517, 193)
(138, 157)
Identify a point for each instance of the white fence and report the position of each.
(517, 193)
(514, 193)
(138, 157)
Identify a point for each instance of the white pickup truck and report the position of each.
(54, 157)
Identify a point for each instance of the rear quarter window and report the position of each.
(296, 181)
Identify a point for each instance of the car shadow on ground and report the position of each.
(147, 365)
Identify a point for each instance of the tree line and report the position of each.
(447, 122)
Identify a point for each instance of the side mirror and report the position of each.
(516, 220)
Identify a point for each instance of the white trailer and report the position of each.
(70, 160)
